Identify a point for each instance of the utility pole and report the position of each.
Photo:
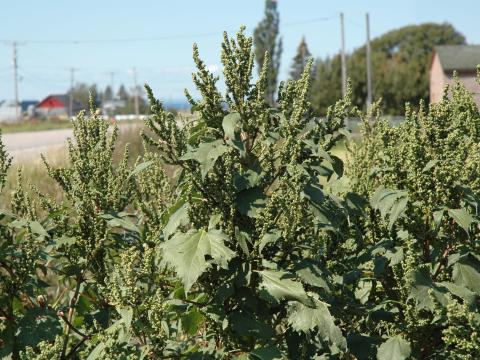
(369, 64)
(112, 83)
(342, 54)
(72, 80)
(15, 80)
(137, 110)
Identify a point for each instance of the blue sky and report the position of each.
(165, 63)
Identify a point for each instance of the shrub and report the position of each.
(249, 212)
(420, 233)
(254, 248)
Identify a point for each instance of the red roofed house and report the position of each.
(57, 106)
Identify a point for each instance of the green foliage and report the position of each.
(420, 237)
(300, 60)
(262, 244)
(5, 163)
(269, 47)
(24, 319)
(400, 61)
(394, 348)
(250, 176)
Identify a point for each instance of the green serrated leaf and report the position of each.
(179, 217)
(37, 228)
(192, 320)
(304, 318)
(267, 353)
(186, 253)
(362, 292)
(231, 125)
(437, 217)
(250, 202)
(206, 155)
(394, 256)
(126, 315)
(280, 285)
(421, 285)
(38, 325)
(124, 223)
(311, 274)
(391, 203)
(395, 348)
(466, 273)
(140, 167)
(462, 292)
(462, 217)
(267, 239)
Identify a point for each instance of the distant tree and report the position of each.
(129, 98)
(326, 87)
(81, 94)
(96, 94)
(266, 39)
(122, 93)
(300, 60)
(400, 62)
(107, 94)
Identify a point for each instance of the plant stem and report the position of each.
(71, 312)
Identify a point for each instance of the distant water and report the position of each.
(176, 104)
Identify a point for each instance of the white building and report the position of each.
(9, 112)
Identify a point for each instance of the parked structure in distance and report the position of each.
(463, 59)
(8, 111)
(57, 106)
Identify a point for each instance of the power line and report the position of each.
(342, 55)
(310, 21)
(355, 23)
(134, 73)
(15, 80)
(53, 79)
(120, 40)
(369, 63)
(157, 38)
(70, 95)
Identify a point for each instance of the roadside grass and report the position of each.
(42, 125)
(34, 125)
(35, 175)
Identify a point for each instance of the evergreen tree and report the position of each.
(326, 85)
(108, 93)
(81, 94)
(122, 93)
(300, 60)
(266, 39)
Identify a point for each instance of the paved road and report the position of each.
(29, 145)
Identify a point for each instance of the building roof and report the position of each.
(64, 99)
(459, 57)
(25, 104)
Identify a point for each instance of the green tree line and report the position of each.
(81, 95)
(400, 62)
(400, 68)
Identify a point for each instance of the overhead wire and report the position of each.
(152, 38)
(34, 77)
